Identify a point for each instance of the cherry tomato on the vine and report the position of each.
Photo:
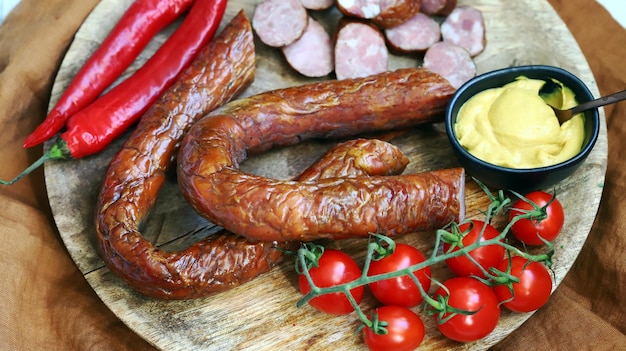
(335, 267)
(486, 256)
(528, 230)
(405, 330)
(531, 292)
(402, 290)
(468, 294)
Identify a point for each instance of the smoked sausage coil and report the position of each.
(360, 157)
(222, 69)
(222, 260)
(268, 209)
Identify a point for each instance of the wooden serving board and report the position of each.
(261, 315)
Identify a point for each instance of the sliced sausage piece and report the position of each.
(396, 12)
(360, 51)
(312, 53)
(465, 27)
(416, 35)
(364, 9)
(450, 61)
(437, 7)
(317, 4)
(279, 22)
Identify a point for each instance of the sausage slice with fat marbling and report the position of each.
(279, 22)
(360, 50)
(415, 35)
(312, 53)
(465, 27)
(363, 9)
(450, 61)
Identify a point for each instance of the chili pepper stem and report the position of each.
(58, 151)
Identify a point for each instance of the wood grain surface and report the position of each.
(261, 315)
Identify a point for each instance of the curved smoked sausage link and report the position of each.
(222, 260)
(268, 209)
(221, 70)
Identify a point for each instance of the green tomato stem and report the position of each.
(376, 250)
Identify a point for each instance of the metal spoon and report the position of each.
(549, 89)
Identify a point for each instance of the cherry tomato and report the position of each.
(529, 230)
(335, 267)
(531, 292)
(486, 256)
(400, 291)
(468, 294)
(405, 330)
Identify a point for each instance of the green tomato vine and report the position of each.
(380, 245)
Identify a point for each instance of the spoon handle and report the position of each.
(605, 100)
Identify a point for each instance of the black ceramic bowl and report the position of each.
(523, 179)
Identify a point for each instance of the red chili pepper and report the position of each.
(134, 30)
(93, 128)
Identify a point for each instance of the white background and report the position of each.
(6, 6)
(617, 8)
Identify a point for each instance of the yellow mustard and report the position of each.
(512, 126)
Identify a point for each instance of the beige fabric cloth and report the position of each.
(47, 305)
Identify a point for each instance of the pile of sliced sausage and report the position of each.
(445, 35)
